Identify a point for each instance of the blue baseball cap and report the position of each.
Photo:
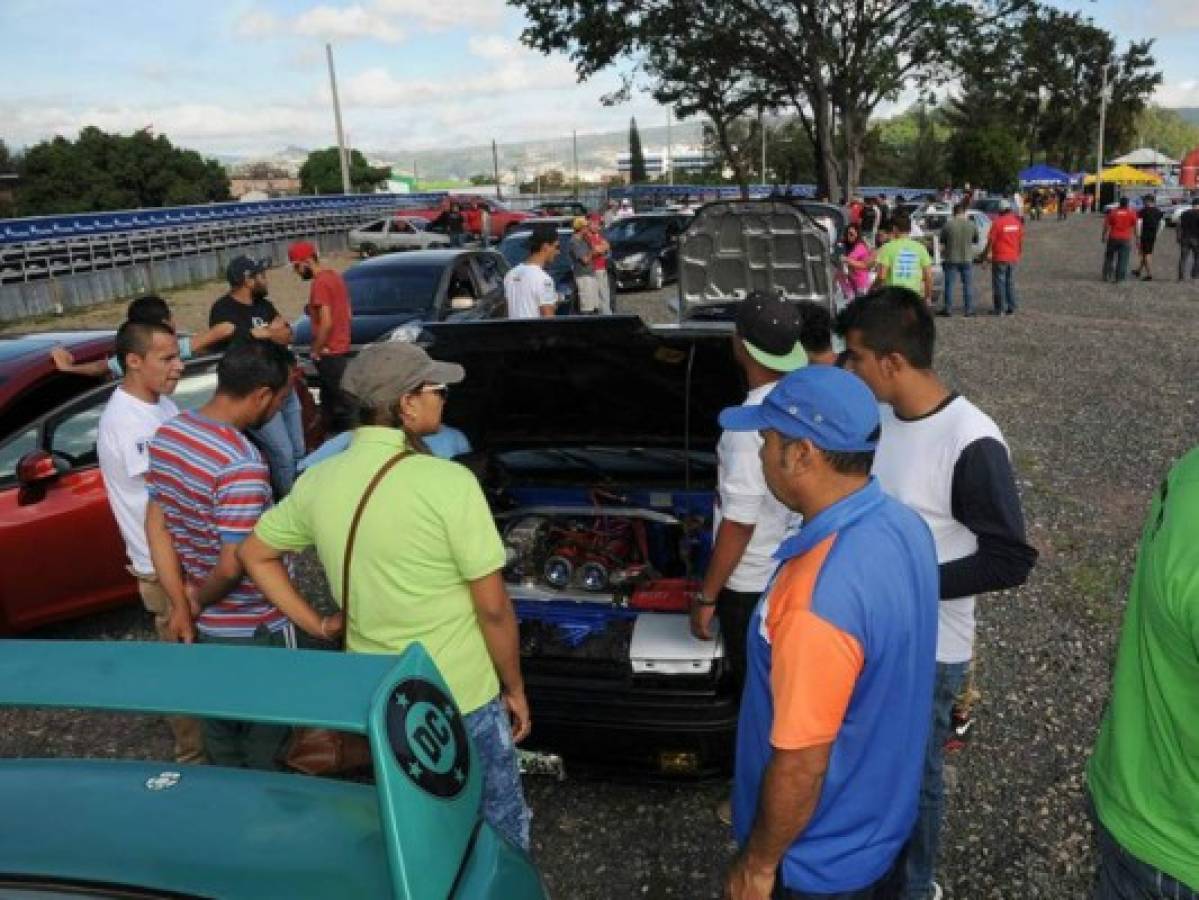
(830, 407)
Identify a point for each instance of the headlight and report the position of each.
(405, 334)
(632, 261)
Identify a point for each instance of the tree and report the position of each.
(1162, 129)
(262, 171)
(637, 173)
(987, 157)
(8, 206)
(100, 171)
(926, 160)
(321, 173)
(481, 179)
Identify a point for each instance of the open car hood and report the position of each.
(775, 246)
(574, 381)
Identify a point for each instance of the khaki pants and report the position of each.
(189, 738)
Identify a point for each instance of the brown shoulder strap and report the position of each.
(345, 567)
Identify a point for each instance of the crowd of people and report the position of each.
(861, 507)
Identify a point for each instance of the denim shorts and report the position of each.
(504, 807)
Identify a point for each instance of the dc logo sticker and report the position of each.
(428, 738)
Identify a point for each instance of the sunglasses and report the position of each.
(440, 390)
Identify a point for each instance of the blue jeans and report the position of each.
(282, 438)
(1121, 876)
(504, 807)
(964, 271)
(1115, 260)
(1003, 286)
(926, 836)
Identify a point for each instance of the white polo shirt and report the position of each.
(126, 426)
(742, 496)
(526, 288)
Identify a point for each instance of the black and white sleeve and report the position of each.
(985, 500)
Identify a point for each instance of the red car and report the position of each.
(61, 554)
(503, 219)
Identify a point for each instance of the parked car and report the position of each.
(395, 233)
(122, 828)
(645, 249)
(53, 508)
(990, 206)
(30, 384)
(561, 208)
(982, 227)
(417, 287)
(502, 218)
(515, 249)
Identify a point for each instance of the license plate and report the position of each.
(534, 762)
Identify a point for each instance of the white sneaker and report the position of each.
(937, 892)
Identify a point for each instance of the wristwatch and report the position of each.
(699, 599)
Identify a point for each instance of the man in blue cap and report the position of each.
(835, 714)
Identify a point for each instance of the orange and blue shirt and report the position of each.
(841, 650)
(212, 486)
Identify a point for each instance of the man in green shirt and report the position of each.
(958, 237)
(1144, 773)
(904, 262)
(427, 563)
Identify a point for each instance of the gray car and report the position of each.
(394, 233)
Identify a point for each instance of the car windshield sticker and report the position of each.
(428, 738)
(163, 781)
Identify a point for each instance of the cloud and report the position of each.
(347, 23)
(378, 88)
(1169, 16)
(491, 47)
(256, 23)
(1182, 93)
(439, 15)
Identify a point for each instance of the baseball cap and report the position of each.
(241, 266)
(769, 328)
(830, 407)
(384, 372)
(300, 251)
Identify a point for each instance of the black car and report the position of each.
(645, 249)
(604, 498)
(420, 286)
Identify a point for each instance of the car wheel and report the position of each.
(369, 250)
(655, 280)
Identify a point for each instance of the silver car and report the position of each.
(395, 233)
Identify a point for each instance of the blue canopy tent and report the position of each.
(1042, 175)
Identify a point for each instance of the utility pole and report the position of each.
(669, 150)
(495, 164)
(1104, 96)
(762, 128)
(574, 141)
(341, 139)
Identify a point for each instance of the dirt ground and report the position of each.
(1093, 386)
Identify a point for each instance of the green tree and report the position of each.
(988, 157)
(8, 206)
(481, 179)
(100, 171)
(926, 158)
(637, 173)
(1162, 129)
(321, 173)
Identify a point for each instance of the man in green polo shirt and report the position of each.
(1144, 773)
(904, 262)
(427, 562)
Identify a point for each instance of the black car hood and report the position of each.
(364, 327)
(622, 248)
(586, 381)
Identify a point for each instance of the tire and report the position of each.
(369, 250)
(655, 279)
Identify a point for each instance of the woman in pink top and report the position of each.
(858, 259)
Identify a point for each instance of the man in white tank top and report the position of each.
(947, 460)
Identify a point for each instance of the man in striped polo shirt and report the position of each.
(208, 485)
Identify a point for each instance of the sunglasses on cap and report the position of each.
(441, 390)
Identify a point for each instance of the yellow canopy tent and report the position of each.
(1125, 175)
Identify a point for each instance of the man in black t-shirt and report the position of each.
(1188, 240)
(1149, 224)
(254, 317)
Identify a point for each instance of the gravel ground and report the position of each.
(1091, 384)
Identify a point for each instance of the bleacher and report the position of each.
(43, 247)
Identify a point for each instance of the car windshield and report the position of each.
(408, 288)
(641, 230)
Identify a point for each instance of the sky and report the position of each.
(248, 77)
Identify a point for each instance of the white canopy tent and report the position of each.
(1146, 156)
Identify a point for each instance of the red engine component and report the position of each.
(665, 595)
(591, 556)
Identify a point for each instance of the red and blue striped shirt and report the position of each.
(212, 485)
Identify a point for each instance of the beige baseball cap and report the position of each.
(382, 373)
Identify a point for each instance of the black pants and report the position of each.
(733, 610)
(335, 407)
(889, 887)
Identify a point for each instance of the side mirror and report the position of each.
(37, 467)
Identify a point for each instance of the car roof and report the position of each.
(25, 363)
(413, 258)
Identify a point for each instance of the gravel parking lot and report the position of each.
(1093, 386)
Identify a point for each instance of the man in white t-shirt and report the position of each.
(946, 459)
(529, 289)
(149, 355)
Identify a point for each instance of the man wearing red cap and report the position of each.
(329, 310)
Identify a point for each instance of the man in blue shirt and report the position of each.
(835, 714)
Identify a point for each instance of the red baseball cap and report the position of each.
(300, 251)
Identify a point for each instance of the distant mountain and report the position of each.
(1189, 113)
